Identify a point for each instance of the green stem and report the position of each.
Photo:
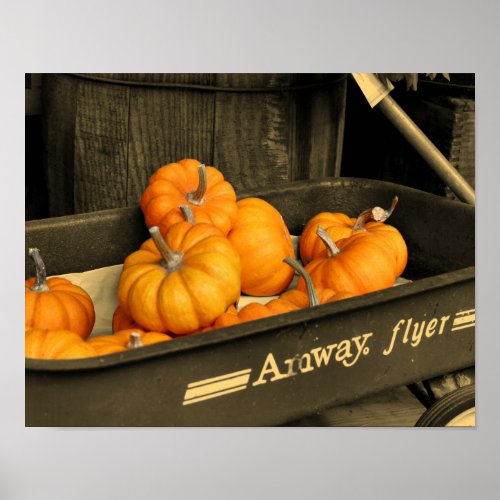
(187, 212)
(197, 197)
(171, 260)
(333, 249)
(376, 214)
(41, 273)
(311, 291)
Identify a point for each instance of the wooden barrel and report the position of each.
(105, 134)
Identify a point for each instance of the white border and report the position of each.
(220, 36)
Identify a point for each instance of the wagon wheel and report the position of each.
(455, 409)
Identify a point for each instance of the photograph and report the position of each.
(250, 249)
(255, 266)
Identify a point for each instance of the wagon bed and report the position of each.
(277, 369)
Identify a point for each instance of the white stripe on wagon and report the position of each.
(468, 325)
(465, 319)
(216, 386)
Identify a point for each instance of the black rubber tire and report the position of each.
(445, 409)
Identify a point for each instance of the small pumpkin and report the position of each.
(203, 188)
(130, 338)
(121, 320)
(312, 295)
(135, 337)
(358, 264)
(339, 226)
(262, 240)
(56, 303)
(182, 282)
(106, 344)
(288, 301)
(55, 344)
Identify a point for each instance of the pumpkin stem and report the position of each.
(377, 214)
(333, 249)
(171, 260)
(187, 212)
(197, 197)
(135, 341)
(41, 274)
(311, 291)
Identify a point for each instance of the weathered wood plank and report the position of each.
(115, 136)
(319, 127)
(167, 125)
(58, 128)
(252, 131)
(101, 143)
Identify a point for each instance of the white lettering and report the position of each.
(444, 319)
(431, 327)
(395, 331)
(307, 366)
(269, 367)
(360, 347)
(322, 354)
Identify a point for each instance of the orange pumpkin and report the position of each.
(55, 344)
(106, 344)
(312, 295)
(339, 226)
(56, 303)
(358, 264)
(252, 312)
(134, 337)
(203, 188)
(182, 282)
(262, 239)
(130, 338)
(121, 321)
(290, 300)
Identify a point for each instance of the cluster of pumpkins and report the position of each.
(206, 250)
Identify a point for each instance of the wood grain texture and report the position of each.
(106, 139)
(319, 128)
(167, 125)
(189, 78)
(450, 124)
(101, 147)
(395, 408)
(252, 131)
(58, 130)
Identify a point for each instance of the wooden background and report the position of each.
(103, 139)
(92, 144)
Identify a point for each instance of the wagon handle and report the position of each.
(377, 94)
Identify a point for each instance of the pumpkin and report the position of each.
(121, 321)
(55, 344)
(56, 303)
(252, 312)
(339, 226)
(290, 300)
(182, 282)
(135, 337)
(262, 240)
(312, 295)
(358, 264)
(211, 198)
(130, 338)
(106, 344)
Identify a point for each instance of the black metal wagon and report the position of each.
(278, 369)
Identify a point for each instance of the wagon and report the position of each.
(279, 369)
